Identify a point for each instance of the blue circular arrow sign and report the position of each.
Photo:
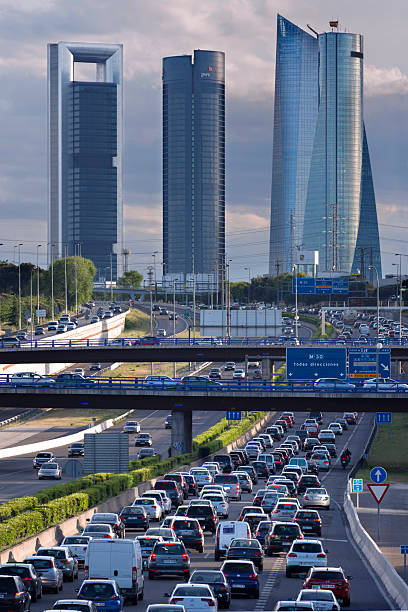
(378, 475)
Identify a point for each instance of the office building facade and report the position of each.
(85, 155)
(194, 167)
(338, 216)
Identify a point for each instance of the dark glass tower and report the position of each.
(193, 165)
(85, 155)
(338, 217)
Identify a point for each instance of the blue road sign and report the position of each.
(404, 549)
(312, 363)
(378, 474)
(363, 362)
(338, 286)
(357, 485)
(383, 417)
(233, 415)
(304, 285)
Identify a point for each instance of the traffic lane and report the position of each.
(275, 586)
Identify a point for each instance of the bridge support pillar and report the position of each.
(268, 369)
(181, 432)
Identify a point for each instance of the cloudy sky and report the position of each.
(152, 29)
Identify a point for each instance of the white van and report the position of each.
(227, 531)
(119, 560)
(269, 460)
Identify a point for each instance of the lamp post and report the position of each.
(19, 285)
(378, 298)
(174, 320)
(228, 298)
(52, 281)
(155, 277)
(38, 286)
(111, 276)
(249, 284)
(31, 306)
(377, 351)
(65, 277)
(296, 300)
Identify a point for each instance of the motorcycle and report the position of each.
(345, 460)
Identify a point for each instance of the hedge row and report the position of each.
(229, 435)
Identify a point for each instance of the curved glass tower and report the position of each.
(338, 217)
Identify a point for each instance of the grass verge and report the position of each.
(64, 417)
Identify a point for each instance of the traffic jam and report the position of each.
(217, 536)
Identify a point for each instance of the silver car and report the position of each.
(80, 605)
(64, 560)
(50, 575)
(77, 545)
(50, 470)
(316, 497)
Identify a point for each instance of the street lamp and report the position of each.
(19, 285)
(174, 320)
(38, 287)
(65, 277)
(294, 271)
(249, 283)
(52, 279)
(377, 351)
(155, 278)
(378, 298)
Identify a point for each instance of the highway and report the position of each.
(366, 594)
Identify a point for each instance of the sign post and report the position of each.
(233, 415)
(404, 551)
(357, 487)
(378, 490)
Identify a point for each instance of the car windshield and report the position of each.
(244, 544)
(7, 585)
(73, 606)
(307, 547)
(168, 486)
(169, 549)
(77, 445)
(316, 595)
(306, 515)
(317, 491)
(286, 530)
(208, 577)
(94, 527)
(49, 552)
(97, 591)
(41, 564)
(75, 540)
(145, 501)
(329, 575)
(43, 456)
(199, 511)
(191, 591)
(224, 478)
(134, 510)
(50, 466)
(242, 568)
(184, 524)
(14, 570)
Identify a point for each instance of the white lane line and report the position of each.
(339, 454)
(266, 589)
(331, 540)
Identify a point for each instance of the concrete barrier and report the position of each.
(393, 584)
(54, 535)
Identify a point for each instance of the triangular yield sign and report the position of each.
(378, 491)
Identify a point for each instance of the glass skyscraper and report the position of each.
(338, 214)
(194, 166)
(85, 155)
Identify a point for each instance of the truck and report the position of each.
(119, 560)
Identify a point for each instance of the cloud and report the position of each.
(384, 81)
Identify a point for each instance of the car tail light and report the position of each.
(18, 595)
(274, 536)
(321, 556)
(325, 498)
(134, 574)
(143, 517)
(84, 548)
(253, 576)
(223, 589)
(86, 568)
(65, 562)
(29, 579)
(107, 537)
(121, 518)
(306, 497)
(318, 520)
(185, 557)
(153, 556)
(292, 554)
(174, 600)
(114, 597)
(208, 600)
(258, 553)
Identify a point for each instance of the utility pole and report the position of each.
(38, 286)
(19, 286)
(65, 277)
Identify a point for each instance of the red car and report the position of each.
(350, 417)
(148, 341)
(331, 578)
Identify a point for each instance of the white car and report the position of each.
(79, 371)
(304, 554)
(284, 511)
(337, 428)
(316, 497)
(50, 470)
(321, 460)
(77, 544)
(213, 468)
(151, 505)
(290, 604)
(322, 599)
(52, 325)
(214, 489)
(166, 500)
(157, 495)
(131, 427)
(195, 597)
(219, 502)
(160, 381)
(239, 373)
(202, 476)
(31, 378)
(327, 435)
(385, 384)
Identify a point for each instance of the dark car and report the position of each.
(134, 517)
(218, 583)
(242, 577)
(191, 483)
(224, 462)
(172, 490)
(273, 431)
(109, 518)
(243, 548)
(283, 424)
(250, 471)
(76, 449)
(331, 448)
(70, 379)
(262, 530)
(309, 521)
(15, 596)
(242, 455)
(262, 469)
(316, 414)
(147, 543)
(302, 435)
(205, 516)
(310, 443)
(148, 341)
(167, 424)
(28, 575)
(253, 519)
(181, 483)
(281, 536)
(306, 481)
(278, 460)
(188, 530)
(63, 560)
(257, 501)
(169, 558)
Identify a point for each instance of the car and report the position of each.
(337, 428)
(28, 574)
(205, 514)
(15, 597)
(188, 530)
(149, 341)
(229, 366)
(212, 467)
(76, 449)
(343, 423)
(61, 328)
(131, 427)
(350, 418)
(50, 470)
(181, 483)
(307, 481)
(50, 575)
(244, 548)
(281, 536)
(231, 484)
(169, 558)
(215, 373)
(80, 605)
(245, 481)
(109, 518)
(147, 452)
(290, 604)
(262, 469)
(104, 593)
(77, 545)
(166, 533)
(219, 501)
(95, 367)
(171, 489)
(316, 497)
(331, 448)
(202, 476)
(327, 435)
(52, 325)
(305, 553)
(284, 511)
(173, 316)
(168, 421)
(108, 315)
(146, 546)
(70, 379)
(160, 381)
(162, 497)
(384, 384)
(143, 439)
(335, 384)
(30, 378)
(161, 332)
(248, 469)
(218, 583)
(200, 382)
(152, 507)
(197, 597)
(191, 483)
(94, 319)
(239, 374)
(242, 577)
(322, 599)
(224, 462)
(332, 579)
(71, 326)
(321, 460)
(96, 530)
(64, 560)
(39, 331)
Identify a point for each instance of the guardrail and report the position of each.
(224, 386)
(212, 342)
(18, 417)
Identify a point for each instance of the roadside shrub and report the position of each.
(17, 506)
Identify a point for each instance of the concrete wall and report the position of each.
(107, 328)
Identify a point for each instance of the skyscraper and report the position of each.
(194, 166)
(339, 217)
(85, 155)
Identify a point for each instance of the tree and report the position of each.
(133, 278)
(80, 277)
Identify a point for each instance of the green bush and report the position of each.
(17, 506)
